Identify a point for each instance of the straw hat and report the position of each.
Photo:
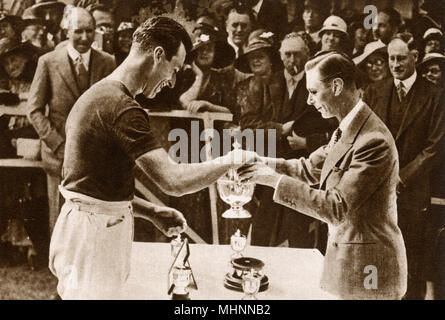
(370, 48)
(29, 17)
(44, 4)
(258, 39)
(432, 57)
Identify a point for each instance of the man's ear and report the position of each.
(415, 54)
(158, 54)
(337, 86)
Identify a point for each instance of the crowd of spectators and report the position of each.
(249, 61)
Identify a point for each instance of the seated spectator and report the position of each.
(124, 37)
(10, 26)
(432, 68)
(334, 35)
(360, 37)
(203, 87)
(34, 32)
(19, 63)
(389, 23)
(433, 41)
(259, 59)
(373, 63)
(315, 12)
(51, 11)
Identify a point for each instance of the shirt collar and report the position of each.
(234, 46)
(296, 77)
(346, 122)
(73, 53)
(407, 83)
(257, 7)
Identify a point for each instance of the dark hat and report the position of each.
(205, 32)
(15, 21)
(44, 4)
(9, 46)
(321, 6)
(258, 39)
(29, 17)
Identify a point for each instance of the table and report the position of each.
(293, 274)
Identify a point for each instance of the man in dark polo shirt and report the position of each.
(107, 132)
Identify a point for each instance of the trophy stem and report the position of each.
(236, 212)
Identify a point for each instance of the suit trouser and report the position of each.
(413, 225)
(90, 248)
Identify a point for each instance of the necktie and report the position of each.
(401, 91)
(292, 86)
(82, 74)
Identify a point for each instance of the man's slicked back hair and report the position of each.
(333, 64)
(164, 32)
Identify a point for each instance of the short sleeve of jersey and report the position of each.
(133, 132)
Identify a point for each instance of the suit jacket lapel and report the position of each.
(300, 108)
(276, 88)
(415, 104)
(94, 68)
(344, 144)
(66, 72)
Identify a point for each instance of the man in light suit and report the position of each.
(60, 79)
(350, 184)
(413, 110)
(280, 103)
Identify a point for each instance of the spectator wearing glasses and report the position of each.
(373, 63)
(432, 68)
(104, 34)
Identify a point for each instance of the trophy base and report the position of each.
(233, 282)
(236, 214)
(180, 296)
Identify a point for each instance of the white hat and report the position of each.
(431, 31)
(334, 23)
(370, 48)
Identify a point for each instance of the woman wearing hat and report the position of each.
(20, 188)
(123, 39)
(10, 26)
(334, 35)
(260, 59)
(373, 63)
(433, 41)
(432, 68)
(204, 86)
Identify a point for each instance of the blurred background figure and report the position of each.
(433, 41)
(10, 26)
(239, 24)
(373, 63)
(334, 35)
(432, 68)
(51, 12)
(34, 31)
(389, 22)
(314, 13)
(104, 33)
(359, 36)
(123, 39)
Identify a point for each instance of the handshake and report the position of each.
(252, 167)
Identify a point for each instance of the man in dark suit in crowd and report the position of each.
(280, 104)
(413, 111)
(270, 15)
(61, 77)
(350, 184)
